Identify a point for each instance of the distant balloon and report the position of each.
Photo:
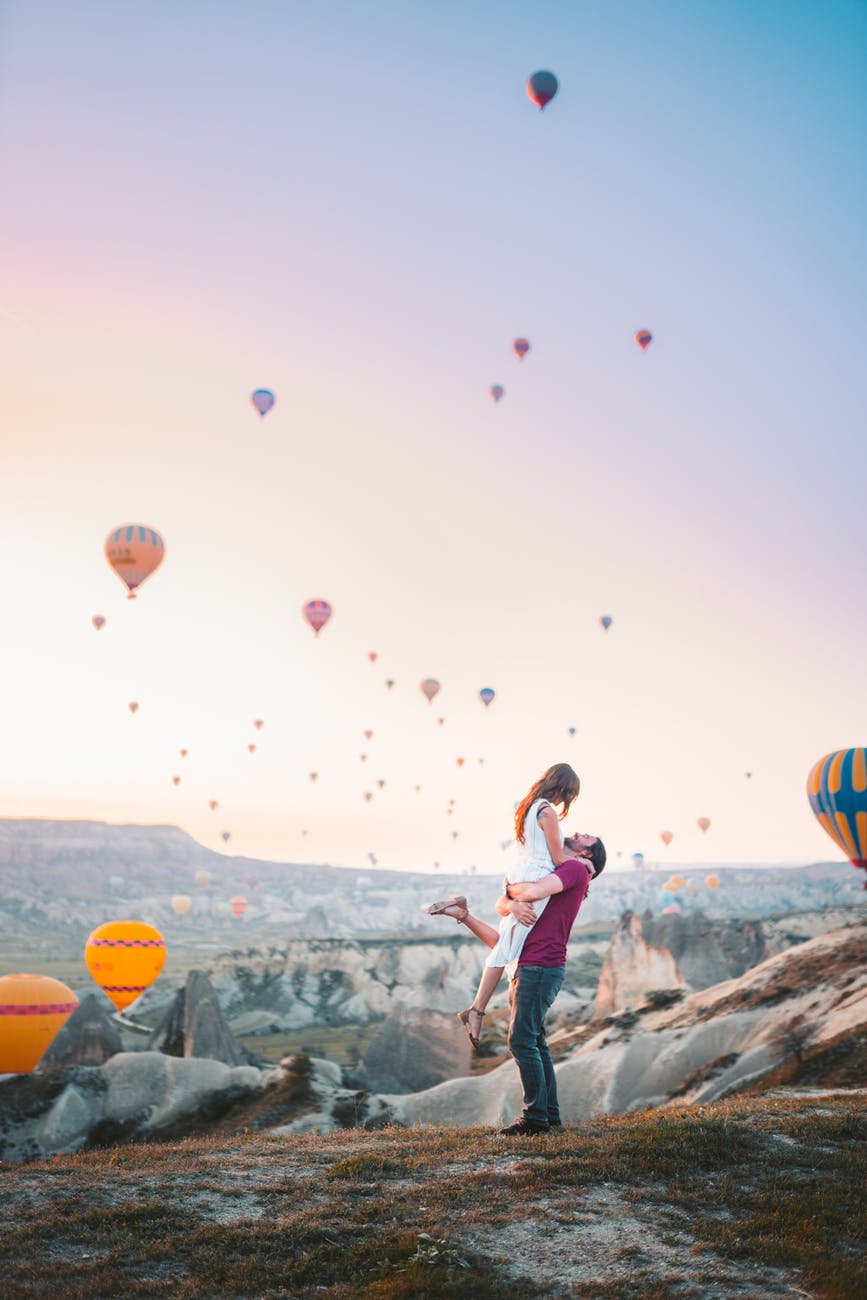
(748, 775)
(133, 706)
(134, 551)
(258, 723)
(643, 338)
(304, 832)
(183, 752)
(251, 747)
(460, 762)
(176, 780)
(381, 783)
(368, 795)
(666, 898)
(367, 734)
(572, 730)
(638, 861)
(542, 87)
(33, 1009)
(98, 622)
(712, 882)
(203, 878)
(486, 695)
(213, 805)
(675, 884)
(671, 910)
(417, 788)
(125, 957)
(441, 722)
(521, 347)
(429, 688)
(837, 790)
(363, 757)
(455, 834)
(314, 776)
(373, 858)
(263, 399)
(317, 613)
(606, 620)
(238, 905)
(389, 683)
(226, 836)
(703, 823)
(181, 903)
(372, 656)
(496, 391)
(666, 836)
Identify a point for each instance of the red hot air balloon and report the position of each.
(429, 688)
(238, 905)
(460, 762)
(317, 614)
(372, 656)
(542, 87)
(520, 347)
(134, 551)
(643, 338)
(496, 391)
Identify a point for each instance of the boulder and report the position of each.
(194, 1026)
(633, 968)
(87, 1038)
(413, 1050)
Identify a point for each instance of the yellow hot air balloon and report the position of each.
(32, 1010)
(125, 957)
(181, 903)
(712, 882)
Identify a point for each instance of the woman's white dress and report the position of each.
(532, 863)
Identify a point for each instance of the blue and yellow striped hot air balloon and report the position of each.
(837, 790)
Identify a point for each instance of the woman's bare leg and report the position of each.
(487, 987)
(481, 930)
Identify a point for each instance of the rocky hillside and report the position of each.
(58, 879)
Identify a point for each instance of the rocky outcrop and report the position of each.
(194, 1025)
(414, 1050)
(806, 1001)
(87, 1038)
(632, 968)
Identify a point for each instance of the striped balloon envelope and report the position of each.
(33, 1008)
(134, 551)
(238, 905)
(317, 614)
(125, 957)
(837, 790)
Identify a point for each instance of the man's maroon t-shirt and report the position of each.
(545, 945)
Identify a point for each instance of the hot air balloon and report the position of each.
(133, 706)
(381, 783)
(748, 775)
(671, 910)
(263, 399)
(429, 688)
(675, 884)
(542, 87)
(455, 834)
(638, 861)
(258, 723)
(643, 338)
(203, 878)
(712, 882)
(368, 795)
(460, 762)
(666, 898)
(496, 391)
(314, 776)
(176, 780)
(417, 788)
(441, 722)
(125, 957)
(363, 757)
(98, 622)
(666, 836)
(606, 620)
(181, 903)
(213, 805)
(703, 823)
(520, 347)
(226, 836)
(372, 656)
(183, 752)
(572, 730)
(134, 551)
(33, 1008)
(837, 790)
(238, 905)
(368, 734)
(317, 613)
(373, 858)
(251, 748)
(486, 695)
(389, 683)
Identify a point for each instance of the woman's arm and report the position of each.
(550, 823)
(522, 910)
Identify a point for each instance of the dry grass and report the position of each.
(718, 1192)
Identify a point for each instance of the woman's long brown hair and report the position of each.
(560, 784)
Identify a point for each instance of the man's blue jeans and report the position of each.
(531, 993)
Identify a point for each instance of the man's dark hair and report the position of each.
(597, 855)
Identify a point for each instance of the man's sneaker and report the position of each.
(523, 1128)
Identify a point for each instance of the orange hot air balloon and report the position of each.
(675, 884)
(238, 905)
(181, 903)
(251, 747)
(429, 688)
(134, 551)
(712, 882)
(32, 1010)
(203, 878)
(183, 752)
(125, 957)
(460, 762)
(666, 836)
(133, 706)
(703, 823)
(98, 622)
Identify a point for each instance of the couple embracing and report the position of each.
(543, 893)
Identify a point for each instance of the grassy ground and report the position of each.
(756, 1197)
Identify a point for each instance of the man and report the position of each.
(540, 973)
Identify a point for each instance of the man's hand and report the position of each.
(524, 913)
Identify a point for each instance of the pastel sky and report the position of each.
(357, 206)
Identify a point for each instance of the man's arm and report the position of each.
(530, 891)
(523, 912)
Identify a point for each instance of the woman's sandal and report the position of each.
(467, 1022)
(442, 908)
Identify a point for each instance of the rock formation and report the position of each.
(87, 1038)
(194, 1025)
